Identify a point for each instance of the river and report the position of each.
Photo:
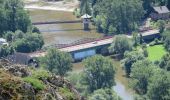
(61, 33)
(67, 33)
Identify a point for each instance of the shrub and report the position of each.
(40, 73)
(156, 42)
(66, 92)
(37, 84)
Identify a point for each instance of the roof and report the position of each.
(161, 9)
(19, 58)
(2, 40)
(86, 16)
(150, 32)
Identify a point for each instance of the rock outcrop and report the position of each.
(13, 87)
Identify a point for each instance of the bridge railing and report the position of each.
(79, 42)
(56, 22)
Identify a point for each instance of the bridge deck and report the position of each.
(57, 22)
(72, 48)
(89, 44)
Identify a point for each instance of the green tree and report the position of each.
(121, 44)
(130, 58)
(98, 73)
(5, 50)
(161, 25)
(14, 17)
(58, 62)
(140, 75)
(29, 43)
(104, 94)
(159, 87)
(167, 43)
(85, 7)
(165, 62)
(136, 39)
(124, 15)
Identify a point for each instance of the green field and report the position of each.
(156, 52)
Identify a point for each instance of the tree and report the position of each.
(5, 50)
(165, 62)
(98, 73)
(58, 62)
(159, 87)
(28, 42)
(121, 44)
(141, 72)
(14, 17)
(124, 15)
(130, 58)
(161, 25)
(85, 7)
(167, 43)
(168, 4)
(104, 94)
(136, 39)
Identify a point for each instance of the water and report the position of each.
(121, 90)
(67, 33)
(61, 33)
(121, 87)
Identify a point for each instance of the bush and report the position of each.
(68, 95)
(155, 42)
(40, 73)
(37, 84)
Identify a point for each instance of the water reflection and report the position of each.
(61, 33)
(121, 90)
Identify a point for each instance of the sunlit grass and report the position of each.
(156, 52)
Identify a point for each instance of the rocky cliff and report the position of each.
(19, 82)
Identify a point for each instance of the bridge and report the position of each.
(57, 22)
(81, 50)
(90, 47)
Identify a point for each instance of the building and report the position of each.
(3, 41)
(161, 12)
(150, 34)
(86, 21)
(23, 59)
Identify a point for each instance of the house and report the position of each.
(23, 59)
(3, 41)
(161, 12)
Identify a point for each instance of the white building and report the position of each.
(3, 41)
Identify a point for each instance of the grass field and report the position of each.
(156, 52)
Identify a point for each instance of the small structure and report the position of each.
(22, 58)
(161, 12)
(86, 20)
(150, 34)
(3, 41)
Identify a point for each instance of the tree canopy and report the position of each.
(104, 94)
(99, 72)
(159, 86)
(58, 62)
(13, 16)
(141, 73)
(130, 58)
(120, 44)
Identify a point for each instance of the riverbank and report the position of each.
(64, 5)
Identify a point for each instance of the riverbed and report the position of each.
(68, 33)
(61, 33)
